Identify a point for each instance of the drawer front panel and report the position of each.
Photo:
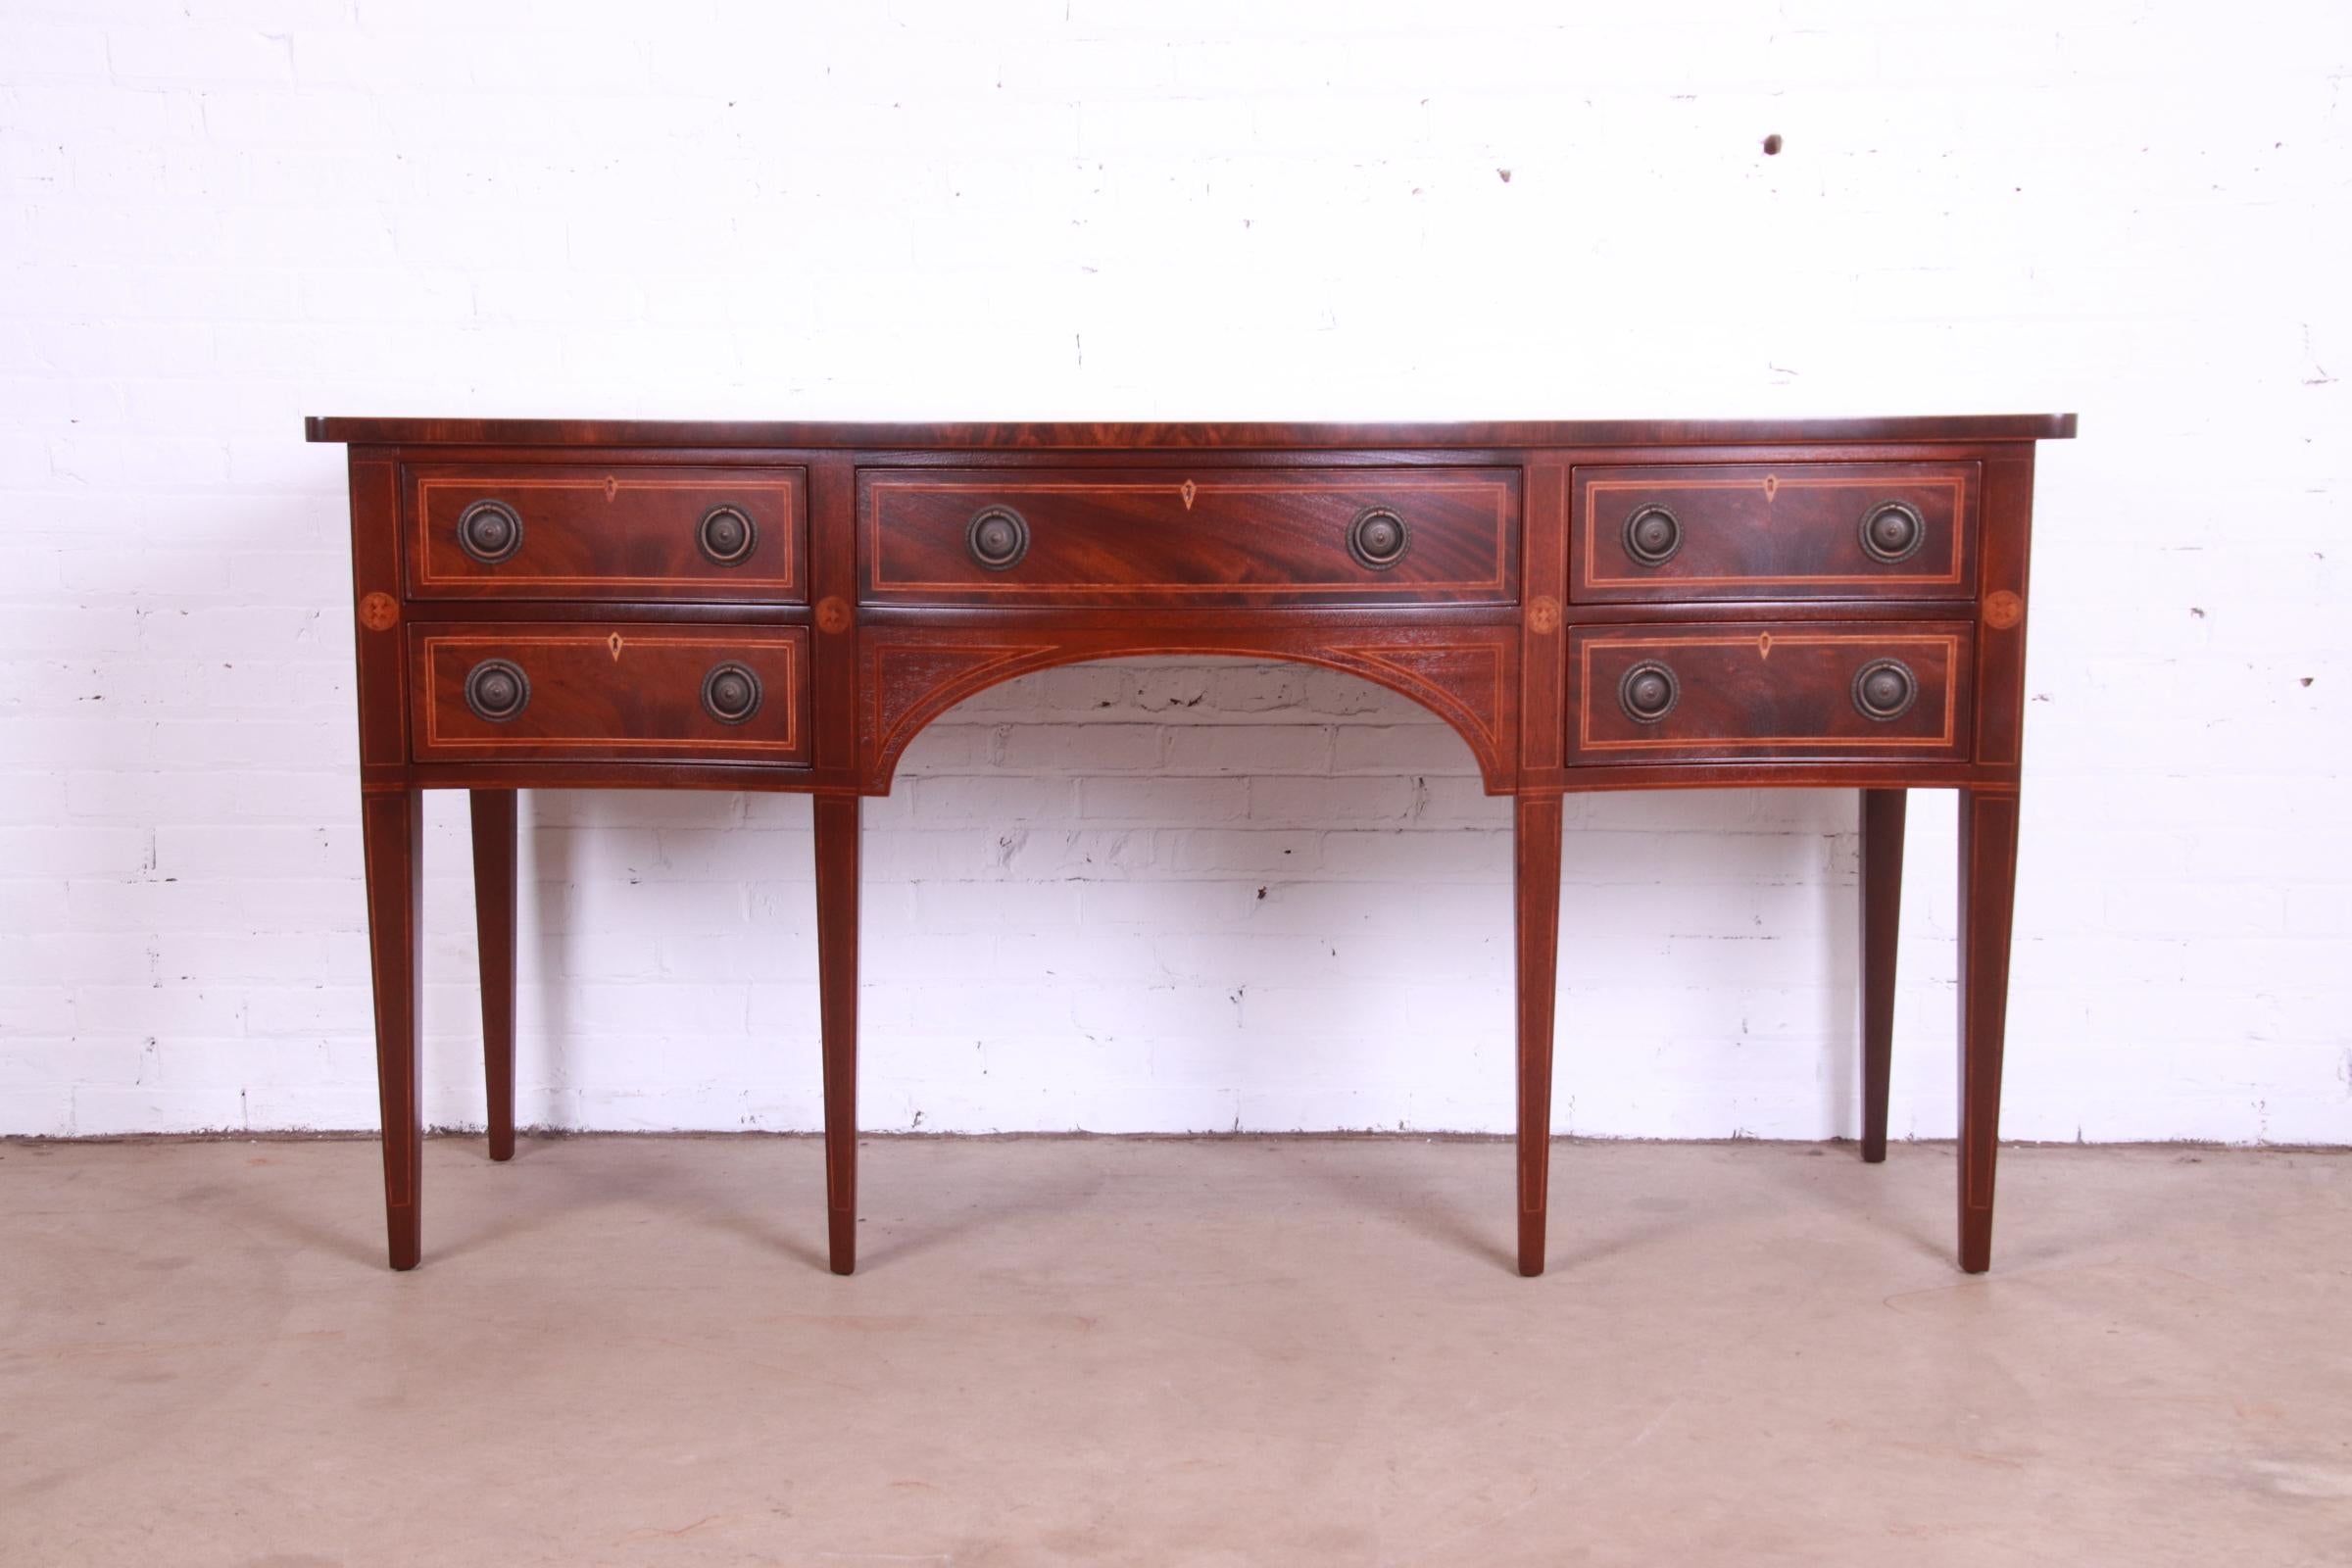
(573, 531)
(554, 691)
(1841, 530)
(1163, 537)
(1887, 691)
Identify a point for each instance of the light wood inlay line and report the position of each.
(1493, 654)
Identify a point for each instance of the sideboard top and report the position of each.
(1034, 437)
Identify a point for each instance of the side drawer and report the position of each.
(581, 531)
(1251, 537)
(561, 691)
(1818, 530)
(1734, 690)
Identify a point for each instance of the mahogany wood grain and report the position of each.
(1544, 641)
(1212, 436)
(1536, 890)
(833, 588)
(837, 875)
(391, 829)
(1988, 834)
(1882, 887)
(1759, 773)
(378, 643)
(1516, 615)
(2005, 609)
(1987, 896)
(493, 824)
(607, 531)
(1775, 531)
(429, 612)
(1768, 689)
(1180, 537)
(602, 690)
(1465, 673)
(390, 838)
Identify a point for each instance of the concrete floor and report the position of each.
(1216, 1352)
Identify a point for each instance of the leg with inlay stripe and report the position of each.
(1537, 883)
(1988, 895)
(391, 821)
(1882, 911)
(837, 990)
(493, 929)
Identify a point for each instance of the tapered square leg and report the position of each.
(837, 989)
(494, 927)
(1536, 832)
(1987, 896)
(1881, 912)
(391, 829)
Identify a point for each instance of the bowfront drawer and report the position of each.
(565, 531)
(1889, 691)
(1823, 530)
(638, 691)
(1165, 537)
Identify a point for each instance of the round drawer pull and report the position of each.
(727, 536)
(730, 693)
(1648, 692)
(997, 538)
(497, 690)
(1885, 689)
(1892, 532)
(1377, 538)
(1652, 535)
(490, 532)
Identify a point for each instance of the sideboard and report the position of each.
(1592, 606)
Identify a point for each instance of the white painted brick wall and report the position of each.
(1153, 896)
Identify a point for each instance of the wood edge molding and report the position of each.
(1043, 436)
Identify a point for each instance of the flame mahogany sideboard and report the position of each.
(1592, 606)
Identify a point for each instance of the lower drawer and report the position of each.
(576, 692)
(1882, 690)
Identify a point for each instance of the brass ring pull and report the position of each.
(1652, 535)
(490, 532)
(497, 690)
(1648, 690)
(731, 692)
(727, 536)
(1892, 532)
(1885, 689)
(1377, 538)
(997, 538)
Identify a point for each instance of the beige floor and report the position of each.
(1113, 1351)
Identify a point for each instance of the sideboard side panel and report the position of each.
(378, 609)
(2003, 608)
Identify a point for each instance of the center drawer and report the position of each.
(1071, 538)
(568, 691)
